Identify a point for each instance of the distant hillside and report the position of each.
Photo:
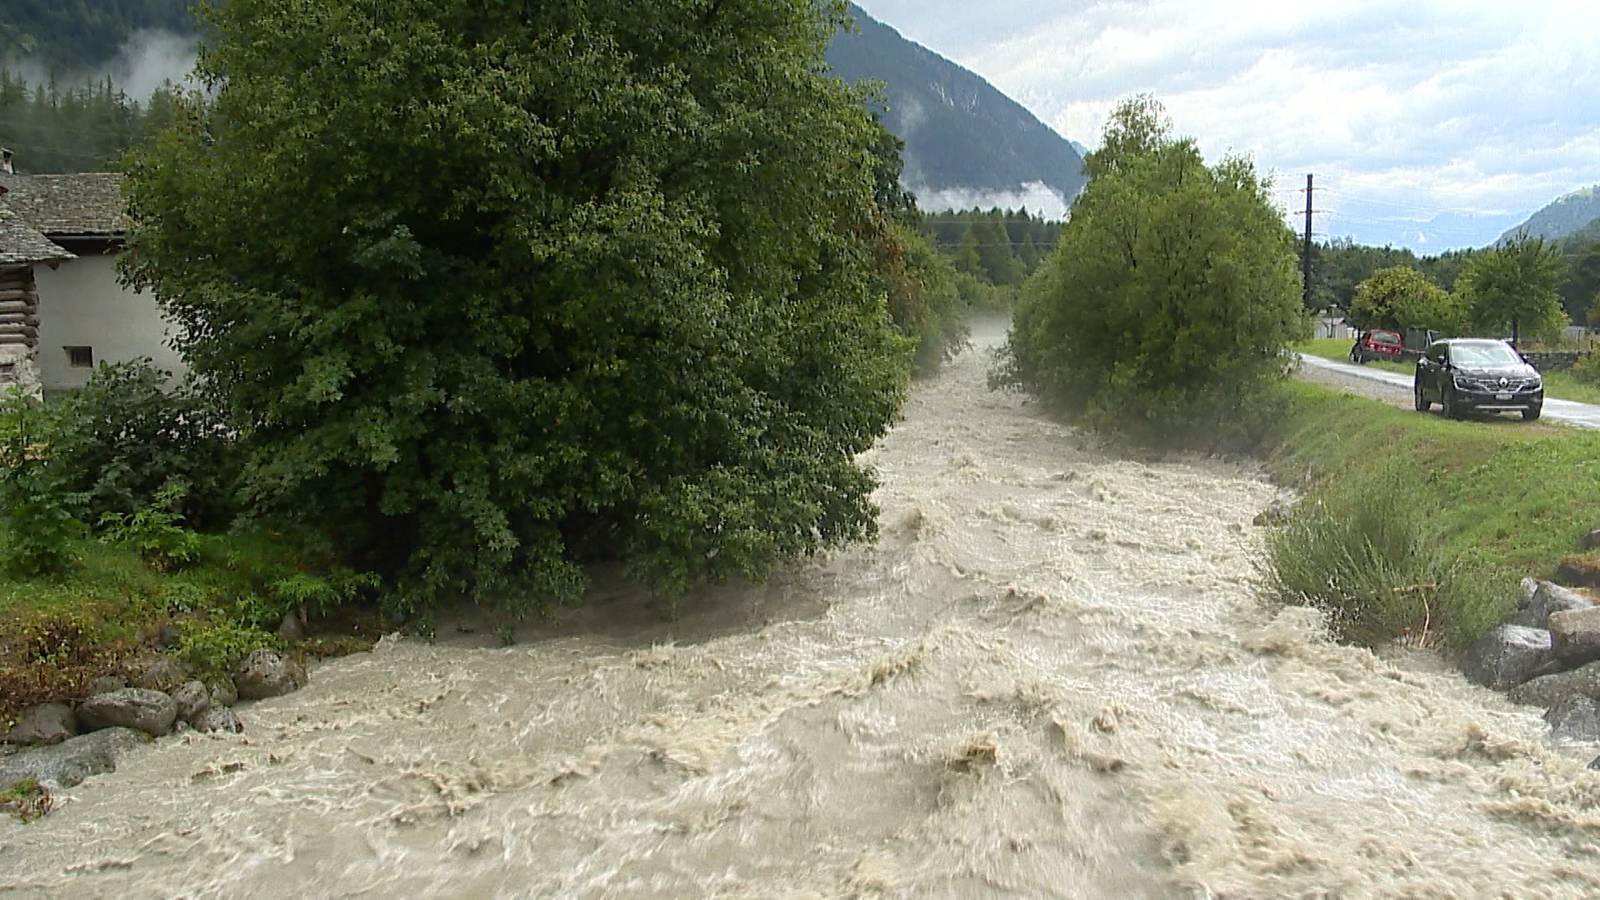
(965, 141)
(1566, 216)
(72, 36)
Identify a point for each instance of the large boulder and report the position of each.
(1590, 541)
(192, 700)
(151, 712)
(1549, 690)
(47, 723)
(1546, 600)
(105, 684)
(1575, 635)
(1583, 571)
(223, 691)
(71, 761)
(218, 718)
(156, 672)
(1507, 656)
(266, 674)
(1575, 719)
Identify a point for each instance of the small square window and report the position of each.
(80, 357)
(8, 372)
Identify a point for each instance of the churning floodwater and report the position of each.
(1049, 678)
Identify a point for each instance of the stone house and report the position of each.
(62, 311)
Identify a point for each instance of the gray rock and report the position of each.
(1549, 690)
(71, 761)
(156, 673)
(1574, 719)
(291, 628)
(1547, 600)
(218, 718)
(47, 723)
(1506, 656)
(265, 674)
(1595, 764)
(105, 684)
(192, 700)
(223, 693)
(1575, 635)
(1590, 541)
(1526, 590)
(151, 712)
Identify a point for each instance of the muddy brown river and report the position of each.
(1050, 678)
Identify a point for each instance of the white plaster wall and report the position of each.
(81, 305)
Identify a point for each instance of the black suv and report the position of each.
(1469, 375)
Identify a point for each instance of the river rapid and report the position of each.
(1051, 677)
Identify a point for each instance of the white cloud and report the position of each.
(1036, 196)
(1468, 111)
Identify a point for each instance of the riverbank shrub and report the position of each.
(1171, 299)
(132, 432)
(495, 290)
(1375, 568)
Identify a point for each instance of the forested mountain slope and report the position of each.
(961, 133)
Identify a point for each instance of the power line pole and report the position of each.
(1306, 262)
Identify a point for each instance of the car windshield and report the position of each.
(1384, 337)
(1484, 355)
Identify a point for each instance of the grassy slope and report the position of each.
(1513, 499)
(1560, 385)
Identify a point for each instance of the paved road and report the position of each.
(1583, 415)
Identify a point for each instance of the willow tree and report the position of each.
(1172, 296)
(494, 289)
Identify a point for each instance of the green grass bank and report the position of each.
(1462, 509)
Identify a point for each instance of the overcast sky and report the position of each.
(1431, 123)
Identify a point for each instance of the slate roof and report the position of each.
(21, 245)
(88, 204)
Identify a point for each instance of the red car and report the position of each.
(1378, 344)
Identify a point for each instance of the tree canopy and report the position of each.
(1400, 297)
(493, 290)
(1513, 288)
(1172, 298)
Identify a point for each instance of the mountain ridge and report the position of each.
(1562, 218)
(965, 139)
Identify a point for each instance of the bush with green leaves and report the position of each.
(495, 289)
(923, 298)
(130, 432)
(1173, 295)
(156, 531)
(214, 648)
(1376, 568)
(1587, 368)
(38, 525)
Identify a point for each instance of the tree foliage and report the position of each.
(75, 129)
(1399, 298)
(495, 289)
(1513, 288)
(1173, 295)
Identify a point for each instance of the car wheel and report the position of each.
(1531, 414)
(1418, 399)
(1448, 404)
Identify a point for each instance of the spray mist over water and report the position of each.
(1050, 678)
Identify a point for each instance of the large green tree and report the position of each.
(1514, 288)
(1174, 293)
(1401, 297)
(493, 289)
